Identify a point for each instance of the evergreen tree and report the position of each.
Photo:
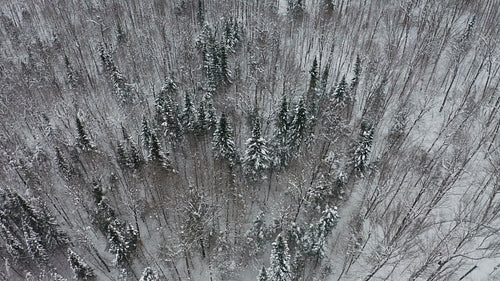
(363, 148)
(187, 117)
(324, 80)
(62, 165)
(281, 139)
(149, 275)
(357, 73)
(167, 112)
(313, 80)
(257, 158)
(13, 245)
(34, 245)
(223, 142)
(81, 270)
(299, 125)
(72, 76)
(201, 13)
(224, 71)
(263, 275)
(155, 151)
(122, 241)
(280, 261)
(134, 157)
(145, 134)
(201, 126)
(82, 140)
(256, 234)
(121, 156)
(341, 96)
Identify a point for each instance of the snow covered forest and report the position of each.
(277, 140)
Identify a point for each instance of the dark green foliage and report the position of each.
(155, 153)
(363, 148)
(357, 73)
(282, 149)
(280, 261)
(314, 79)
(341, 96)
(62, 165)
(187, 117)
(324, 80)
(167, 112)
(224, 70)
(145, 134)
(201, 125)
(299, 124)
(82, 139)
(122, 241)
(257, 157)
(263, 275)
(223, 142)
(81, 270)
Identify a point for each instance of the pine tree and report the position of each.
(72, 76)
(145, 134)
(223, 142)
(122, 241)
(134, 157)
(324, 80)
(62, 165)
(357, 73)
(281, 139)
(224, 71)
(149, 275)
(299, 125)
(257, 157)
(81, 270)
(363, 148)
(201, 13)
(167, 112)
(13, 245)
(155, 151)
(280, 261)
(201, 125)
(187, 117)
(313, 80)
(341, 96)
(121, 156)
(263, 275)
(82, 140)
(34, 245)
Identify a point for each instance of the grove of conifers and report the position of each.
(260, 140)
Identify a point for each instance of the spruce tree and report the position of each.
(200, 14)
(122, 241)
(81, 270)
(263, 275)
(341, 96)
(281, 139)
(257, 157)
(224, 71)
(145, 134)
(313, 80)
(13, 245)
(187, 117)
(149, 275)
(121, 156)
(34, 246)
(357, 73)
(324, 80)
(155, 151)
(363, 148)
(280, 261)
(223, 142)
(201, 125)
(82, 139)
(134, 156)
(62, 165)
(299, 125)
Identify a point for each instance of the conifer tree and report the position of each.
(13, 245)
(299, 125)
(224, 71)
(145, 134)
(201, 126)
(134, 156)
(62, 165)
(187, 117)
(357, 73)
(263, 275)
(121, 156)
(149, 275)
(80, 268)
(280, 261)
(223, 142)
(324, 80)
(341, 96)
(155, 151)
(82, 139)
(363, 148)
(281, 139)
(257, 157)
(201, 13)
(313, 80)
(34, 245)
(122, 241)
